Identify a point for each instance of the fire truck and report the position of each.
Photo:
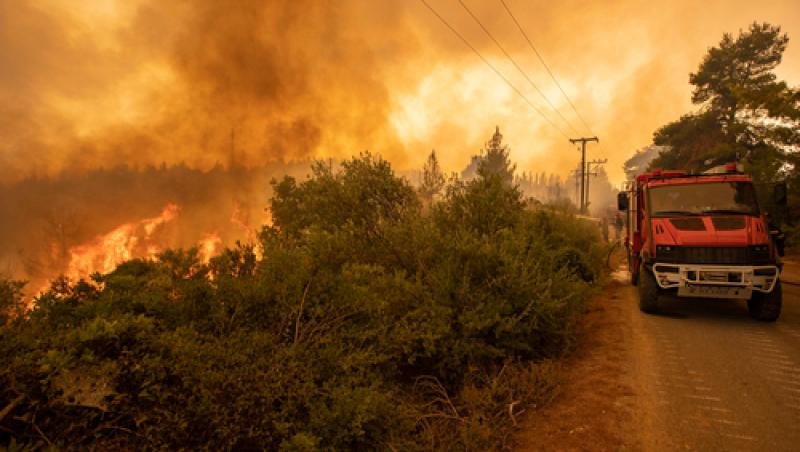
(704, 236)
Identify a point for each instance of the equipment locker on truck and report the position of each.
(702, 235)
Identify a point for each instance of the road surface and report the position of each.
(708, 377)
(701, 376)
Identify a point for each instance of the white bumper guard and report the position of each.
(716, 281)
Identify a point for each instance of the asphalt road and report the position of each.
(711, 378)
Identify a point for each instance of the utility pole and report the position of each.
(583, 141)
(589, 174)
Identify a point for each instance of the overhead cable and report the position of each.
(514, 62)
(530, 43)
(493, 68)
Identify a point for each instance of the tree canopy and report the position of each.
(745, 113)
(736, 67)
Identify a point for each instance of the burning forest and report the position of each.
(222, 227)
(78, 224)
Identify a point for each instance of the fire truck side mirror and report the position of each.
(622, 201)
(779, 194)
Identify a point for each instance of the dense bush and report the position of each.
(367, 324)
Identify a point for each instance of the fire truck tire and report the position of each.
(648, 291)
(766, 306)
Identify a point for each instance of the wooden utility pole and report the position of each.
(583, 141)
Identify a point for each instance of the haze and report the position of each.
(97, 83)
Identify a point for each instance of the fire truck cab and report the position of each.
(702, 235)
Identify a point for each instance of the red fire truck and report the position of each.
(703, 235)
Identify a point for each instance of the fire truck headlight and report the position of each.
(760, 253)
(665, 251)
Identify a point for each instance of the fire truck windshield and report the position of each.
(705, 198)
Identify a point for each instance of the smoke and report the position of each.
(94, 84)
(624, 64)
(278, 79)
(188, 81)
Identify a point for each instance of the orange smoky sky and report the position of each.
(96, 83)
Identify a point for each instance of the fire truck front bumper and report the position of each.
(716, 281)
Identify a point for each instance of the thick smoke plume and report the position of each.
(114, 115)
(187, 81)
(99, 83)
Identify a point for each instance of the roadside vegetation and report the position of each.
(368, 316)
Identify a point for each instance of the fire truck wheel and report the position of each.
(648, 291)
(766, 306)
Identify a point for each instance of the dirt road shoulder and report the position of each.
(594, 409)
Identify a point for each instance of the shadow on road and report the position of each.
(672, 314)
(733, 311)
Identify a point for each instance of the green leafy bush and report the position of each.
(367, 324)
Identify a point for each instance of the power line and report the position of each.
(510, 58)
(499, 74)
(508, 10)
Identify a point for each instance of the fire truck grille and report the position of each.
(715, 255)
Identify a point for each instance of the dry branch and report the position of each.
(11, 406)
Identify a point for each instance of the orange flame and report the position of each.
(106, 251)
(240, 219)
(138, 239)
(209, 246)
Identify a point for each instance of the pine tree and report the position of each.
(433, 180)
(496, 160)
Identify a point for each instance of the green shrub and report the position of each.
(367, 324)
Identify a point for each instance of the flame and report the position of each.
(209, 246)
(106, 251)
(168, 214)
(139, 239)
(240, 218)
